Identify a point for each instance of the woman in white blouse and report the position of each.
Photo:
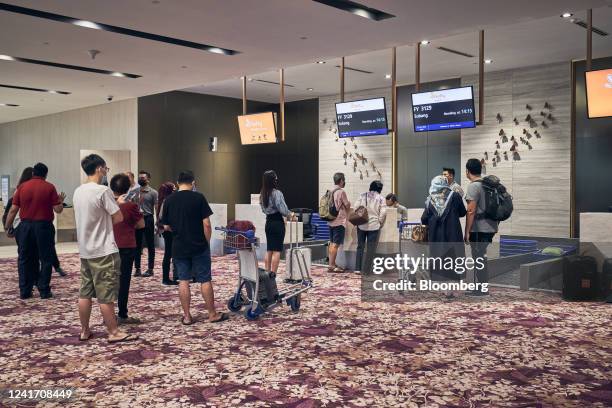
(367, 234)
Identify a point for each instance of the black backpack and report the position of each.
(498, 202)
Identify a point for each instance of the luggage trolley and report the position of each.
(254, 281)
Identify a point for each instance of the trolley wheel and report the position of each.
(234, 304)
(294, 303)
(251, 314)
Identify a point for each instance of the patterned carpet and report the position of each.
(535, 351)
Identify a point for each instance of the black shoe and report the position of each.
(169, 283)
(60, 272)
(148, 273)
(25, 295)
(137, 272)
(47, 295)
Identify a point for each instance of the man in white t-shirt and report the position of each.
(95, 211)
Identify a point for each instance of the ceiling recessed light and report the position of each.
(26, 88)
(6, 58)
(388, 76)
(310, 89)
(87, 24)
(320, 62)
(8, 105)
(251, 79)
(488, 61)
(118, 74)
(566, 15)
(425, 42)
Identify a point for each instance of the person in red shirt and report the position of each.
(125, 237)
(35, 201)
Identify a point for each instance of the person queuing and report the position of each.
(125, 239)
(449, 173)
(147, 201)
(96, 211)
(133, 193)
(391, 201)
(337, 227)
(164, 192)
(35, 200)
(186, 214)
(273, 204)
(443, 209)
(369, 232)
(479, 231)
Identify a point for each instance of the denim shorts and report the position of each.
(336, 234)
(197, 267)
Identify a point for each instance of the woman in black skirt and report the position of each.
(273, 205)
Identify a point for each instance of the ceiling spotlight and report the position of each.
(388, 76)
(424, 42)
(320, 62)
(52, 91)
(567, 15)
(10, 105)
(6, 58)
(251, 79)
(310, 89)
(87, 24)
(118, 74)
(488, 61)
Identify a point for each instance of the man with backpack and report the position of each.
(334, 208)
(488, 203)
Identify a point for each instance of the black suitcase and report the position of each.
(268, 291)
(580, 278)
(606, 280)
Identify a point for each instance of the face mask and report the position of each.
(142, 182)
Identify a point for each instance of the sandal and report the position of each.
(224, 317)
(337, 269)
(127, 337)
(189, 323)
(86, 338)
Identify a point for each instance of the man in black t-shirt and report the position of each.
(186, 213)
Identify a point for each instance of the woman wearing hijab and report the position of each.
(164, 191)
(443, 209)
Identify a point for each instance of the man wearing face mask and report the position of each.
(147, 202)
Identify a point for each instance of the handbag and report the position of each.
(419, 233)
(360, 215)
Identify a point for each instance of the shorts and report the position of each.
(275, 234)
(197, 267)
(336, 234)
(100, 278)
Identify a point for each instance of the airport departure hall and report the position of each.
(306, 203)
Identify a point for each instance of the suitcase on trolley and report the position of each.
(268, 291)
(298, 259)
(580, 278)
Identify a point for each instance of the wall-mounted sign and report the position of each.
(257, 128)
(5, 186)
(599, 93)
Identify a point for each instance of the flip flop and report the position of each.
(224, 317)
(86, 338)
(127, 337)
(337, 269)
(187, 323)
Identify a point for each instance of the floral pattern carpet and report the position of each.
(533, 351)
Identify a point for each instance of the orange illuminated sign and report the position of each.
(599, 93)
(257, 128)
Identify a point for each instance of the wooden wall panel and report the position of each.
(57, 140)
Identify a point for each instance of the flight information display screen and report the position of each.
(443, 110)
(366, 117)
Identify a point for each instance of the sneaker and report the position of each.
(170, 283)
(476, 293)
(60, 272)
(128, 320)
(137, 272)
(148, 273)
